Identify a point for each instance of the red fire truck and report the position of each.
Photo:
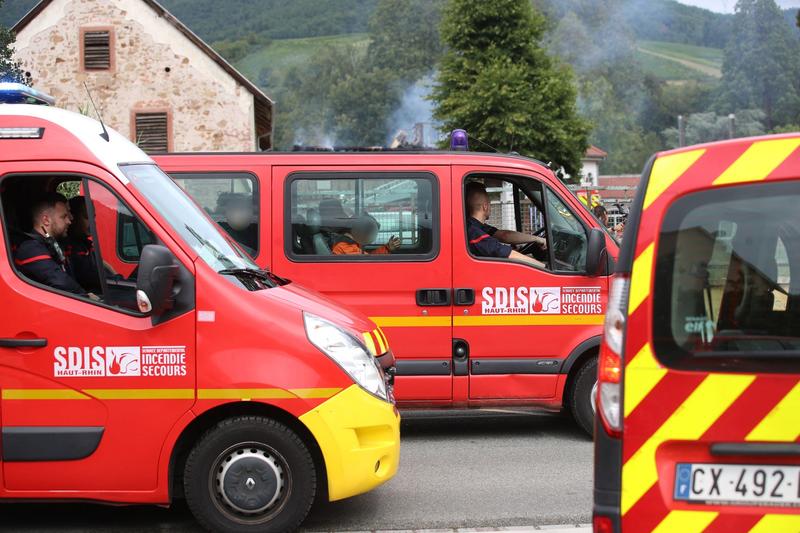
(467, 330)
(699, 394)
(188, 371)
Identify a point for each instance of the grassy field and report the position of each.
(674, 61)
(282, 54)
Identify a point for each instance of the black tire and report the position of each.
(580, 395)
(231, 456)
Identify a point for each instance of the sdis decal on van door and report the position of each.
(541, 301)
(119, 361)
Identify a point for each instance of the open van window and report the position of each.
(727, 287)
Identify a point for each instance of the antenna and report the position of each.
(104, 135)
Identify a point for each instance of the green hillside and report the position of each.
(268, 64)
(675, 61)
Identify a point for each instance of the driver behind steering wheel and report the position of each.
(488, 241)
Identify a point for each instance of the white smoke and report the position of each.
(415, 108)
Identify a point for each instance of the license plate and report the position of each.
(738, 484)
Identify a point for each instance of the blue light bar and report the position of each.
(18, 93)
(458, 141)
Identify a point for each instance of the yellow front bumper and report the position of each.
(359, 436)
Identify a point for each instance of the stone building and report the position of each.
(149, 75)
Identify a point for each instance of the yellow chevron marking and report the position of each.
(528, 320)
(641, 278)
(141, 394)
(666, 170)
(782, 424)
(777, 523)
(43, 394)
(685, 522)
(412, 321)
(370, 343)
(758, 161)
(641, 375)
(381, 344)
(689, 421)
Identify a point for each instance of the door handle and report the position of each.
(433, 297)
(23, 343)
(464, 297)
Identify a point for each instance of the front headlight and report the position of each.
(348, 353)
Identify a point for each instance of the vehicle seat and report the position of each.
(319, 242)
(755, 312)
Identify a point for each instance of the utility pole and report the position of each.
(681, 131)
(731, 126)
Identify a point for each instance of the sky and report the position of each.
(726, 6)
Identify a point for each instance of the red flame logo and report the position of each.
(536, 305)
(114, 367)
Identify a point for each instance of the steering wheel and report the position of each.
(532, 246)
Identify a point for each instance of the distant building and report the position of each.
(590, 166)
(617, 193)
(150, 76)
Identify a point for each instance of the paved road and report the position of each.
(486, 469)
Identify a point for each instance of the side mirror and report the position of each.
(155, 282)
(596, 253)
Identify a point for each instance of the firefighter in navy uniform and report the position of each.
(79, 248)
(488, 241)
(39, 257)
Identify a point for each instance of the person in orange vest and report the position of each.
(365, 229)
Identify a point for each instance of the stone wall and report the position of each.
(154, 68)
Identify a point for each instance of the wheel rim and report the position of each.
(593, 398)
(250, 483)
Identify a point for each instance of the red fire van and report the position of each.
(467, 331)
(186, 370)
(699, 395)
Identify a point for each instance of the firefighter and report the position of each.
(364, 230)
(79, 248)
(39, 257)
(239, 221)
(488, 241)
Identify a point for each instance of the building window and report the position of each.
(96, 49)
(151, 131)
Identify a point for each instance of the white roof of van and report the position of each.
(110, 154)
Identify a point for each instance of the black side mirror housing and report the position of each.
(596, 253)
(158, 272)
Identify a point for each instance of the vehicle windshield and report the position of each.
(187, 219)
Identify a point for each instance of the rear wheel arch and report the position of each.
(194, 431)
(577, 358)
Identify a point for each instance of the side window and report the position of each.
(231, 200)
(370, 216)
(727, 285)
(65, 235)
(568, 240)
(524, 205)
(132, 237)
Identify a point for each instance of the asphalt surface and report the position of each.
(457, 470)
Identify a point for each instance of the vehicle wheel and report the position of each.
(582, 401)
(248, 474)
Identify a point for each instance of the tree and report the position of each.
(497, 82)
(760, 67)
(10, 70)
(707, 127)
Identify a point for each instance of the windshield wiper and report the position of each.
(263, 275)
